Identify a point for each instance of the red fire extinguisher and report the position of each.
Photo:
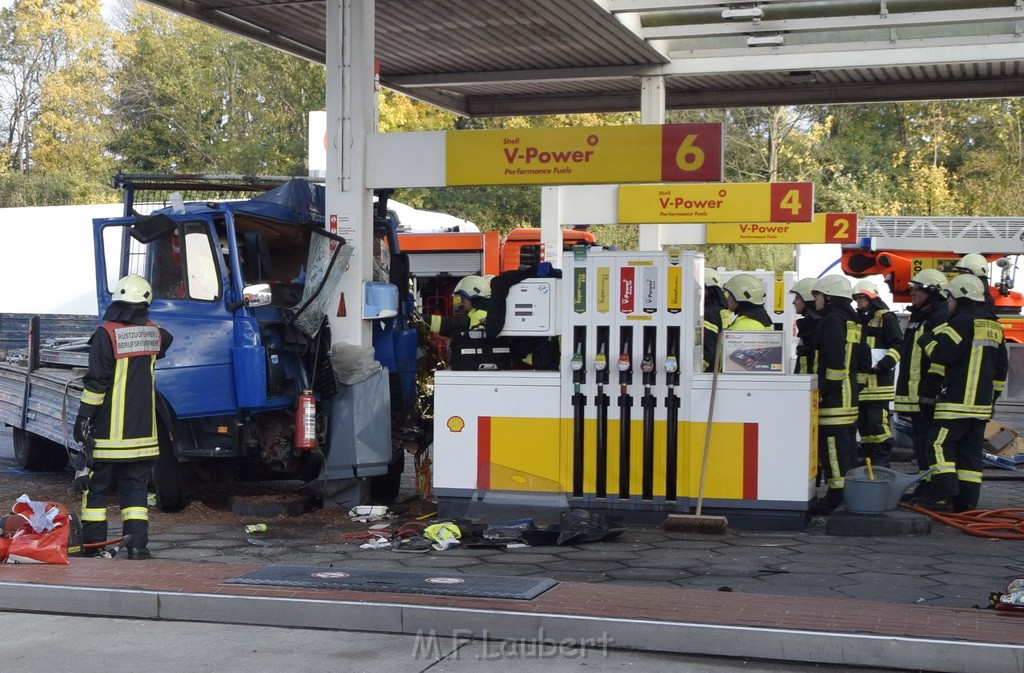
(305, 421)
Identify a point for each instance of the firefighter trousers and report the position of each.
(876, 439)
(955, 453)
(132, 479)
(837, 453)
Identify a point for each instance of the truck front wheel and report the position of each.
(168, 480)
(32, 452)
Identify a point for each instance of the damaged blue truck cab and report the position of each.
(243, 287)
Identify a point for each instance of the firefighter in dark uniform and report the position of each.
(972, 348)
(918, 376)
(118, 413)
(716, 315)
(803, 304)
(976, 265)
(882, 340)
(837, 340)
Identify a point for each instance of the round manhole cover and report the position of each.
(444, 580)
(330, 575)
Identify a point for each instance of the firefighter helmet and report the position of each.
(802, 288)
(974, 264)
(932, 280)
(712, 278)
(133, 289)
(471, 287)
(744, 287)
(834, 285)
(866, 288)
(966, 286)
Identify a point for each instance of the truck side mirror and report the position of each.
(254, 296)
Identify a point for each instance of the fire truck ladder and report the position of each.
(960, 235)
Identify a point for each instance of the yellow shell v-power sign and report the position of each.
(740, 202)
(585, 155)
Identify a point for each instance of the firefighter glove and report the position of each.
(82, 429)
(81, 481)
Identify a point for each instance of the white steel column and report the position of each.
(551, 225)
(652, 111)
(351, 115)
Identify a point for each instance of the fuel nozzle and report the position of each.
(671, 364)
(624, 364)
(647, 369)
(576, 363)
(600, 362)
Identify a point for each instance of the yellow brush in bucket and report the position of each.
(871, 473)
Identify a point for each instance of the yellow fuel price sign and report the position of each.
(826, 228)
(738, 202)
(585, 155)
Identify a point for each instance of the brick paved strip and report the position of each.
(854, 632)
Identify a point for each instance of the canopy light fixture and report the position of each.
(751, 13)
(766, 40)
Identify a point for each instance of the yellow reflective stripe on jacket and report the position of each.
(435, 324)
(710, 326)
(835, 374)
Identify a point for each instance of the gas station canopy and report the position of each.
(528, 57)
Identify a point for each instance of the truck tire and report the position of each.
(32, 452)
(384, 489)
(168, 480)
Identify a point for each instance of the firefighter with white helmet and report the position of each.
(803, 304)
(919, 381)
(976, 265)
(716, 315)
(117, 419)
(972, 350)
(882, 340)
(470, 300)
(838, 359)
(745, 296)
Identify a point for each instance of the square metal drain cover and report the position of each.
(439, 583)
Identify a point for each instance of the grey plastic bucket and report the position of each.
(867, 496)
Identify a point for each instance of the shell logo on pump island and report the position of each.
(456, 424)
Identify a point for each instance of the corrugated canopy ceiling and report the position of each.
(525, 57)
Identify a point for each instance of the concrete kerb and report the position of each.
(537, 629)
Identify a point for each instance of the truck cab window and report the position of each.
(200, 264)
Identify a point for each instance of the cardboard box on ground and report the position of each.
(1003, 440)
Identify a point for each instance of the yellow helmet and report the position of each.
(712, 278)
(966, 286)
(744, 287)
(133, 289)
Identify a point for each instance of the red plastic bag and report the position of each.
(43, 538)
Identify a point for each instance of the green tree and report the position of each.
(191, 98)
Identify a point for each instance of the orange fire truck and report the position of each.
(899, 247)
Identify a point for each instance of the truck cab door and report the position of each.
(180, 257)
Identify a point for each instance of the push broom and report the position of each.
(697, 522)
